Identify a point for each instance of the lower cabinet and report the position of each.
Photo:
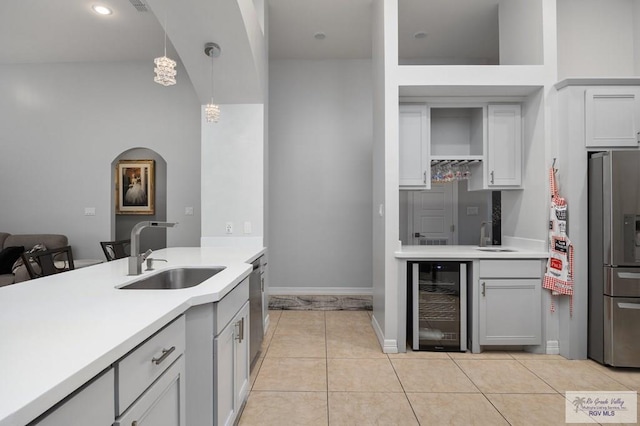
(510, 302)
(162, 404)
(90, 405)
(151, 380)
(231, 367)
(217, 358)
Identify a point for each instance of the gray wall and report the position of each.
(62, 127)
(320, 153)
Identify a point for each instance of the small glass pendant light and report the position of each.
(211, 110)
(165, 68)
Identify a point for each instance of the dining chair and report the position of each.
(48, 262)
(115, 249)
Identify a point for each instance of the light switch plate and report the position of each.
(247, 227)
(89, 211)
(472, 211)
(188, 211)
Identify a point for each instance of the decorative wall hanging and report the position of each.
(135, 187)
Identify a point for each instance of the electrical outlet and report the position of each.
(229, 228)
(89, 211)
(472, 211)
(188, 211)
(247, 227)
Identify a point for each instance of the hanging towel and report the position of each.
(559, 273)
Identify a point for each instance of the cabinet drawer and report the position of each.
(230, 304)
(137, 370)
(91, 405)
(510, 268)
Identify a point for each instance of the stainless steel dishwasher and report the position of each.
(256, 328)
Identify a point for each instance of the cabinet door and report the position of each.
(163, 404)
(231, 371)
(242, 356)
(224, 375)
(504, 146)
(92, 405)
(414, 150)
(612, 117)
(510, 312)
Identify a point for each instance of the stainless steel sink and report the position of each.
(173, 279)
(495, 249)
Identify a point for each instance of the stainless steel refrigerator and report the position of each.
(614, 258)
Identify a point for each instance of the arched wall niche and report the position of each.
(121, 224)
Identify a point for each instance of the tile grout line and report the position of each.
(484, 395)
(404, 391)
(326, 363)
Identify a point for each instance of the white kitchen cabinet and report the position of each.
(92, 404)
(414, 147)
(510, 302)
(231, 367)
(162, 404)
(217, 379)
(504, 146)
(612, 117)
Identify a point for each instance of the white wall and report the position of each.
(520, 23)
(62, 126)
(595, 38)
(525, 213)
(320, 150)
(232, 176)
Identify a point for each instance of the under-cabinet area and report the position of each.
(449, 214)
(491, 300)
(478, 143)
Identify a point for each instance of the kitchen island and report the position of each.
(59, 332)
(504, 285)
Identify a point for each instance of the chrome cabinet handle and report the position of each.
(240, 324)
(484, 289)
(492, 177)
(424, 177)
(165, 354)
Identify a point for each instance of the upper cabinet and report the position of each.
(414, 147)
(478, 142)
(504, 146)
(612, 117)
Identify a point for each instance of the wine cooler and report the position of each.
(438, 301)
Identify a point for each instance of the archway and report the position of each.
(122, 223)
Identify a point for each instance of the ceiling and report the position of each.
(38, 31)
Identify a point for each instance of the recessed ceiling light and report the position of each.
(101, 10)
(420, 34)
(320, 36)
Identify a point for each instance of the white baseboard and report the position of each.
(265, 325)
(553, 347)
(320, 291)
(389, 346)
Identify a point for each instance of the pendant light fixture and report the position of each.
(211, 110)
(165, 67)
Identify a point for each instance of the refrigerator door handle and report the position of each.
(629, 275)
(629, 305)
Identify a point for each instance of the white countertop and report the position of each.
(58, 332)
(467, 252)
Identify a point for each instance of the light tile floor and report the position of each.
(326, 368)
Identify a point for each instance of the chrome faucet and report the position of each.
(483, 236)
(136, 259)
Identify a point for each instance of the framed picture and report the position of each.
(135, 187)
